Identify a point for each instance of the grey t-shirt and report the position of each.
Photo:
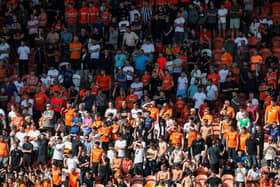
(48, 122)
(214, 154)
(212, 19)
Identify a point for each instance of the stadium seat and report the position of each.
(150, 179)
(253, 41)
(218, 43)
(276, 52)
(216, 131)
(201, 180)
(276, 42)
(98, 185)
(252, 51)
(150, 185)
(228, 180)
(265, 52)
(137, 185)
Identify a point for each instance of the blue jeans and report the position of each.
(252, 159)
(150, 167)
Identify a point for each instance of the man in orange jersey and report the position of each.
(232, 142)
(56, 176)
(271, 78)
(256, 61)
(93, 14)
(226, 58)
(151, 106)
(84, 15)
(75, 48)
(177, 137)
(71, 18)
(96, 154)
(227, 110)
(131, 99)
(4, 152)
(167, 83)
(262, 89)
(105, 133)
(74, 178)
(40, 99)
(104, 82)
(242, 139)
(272, 113)
(68, 114)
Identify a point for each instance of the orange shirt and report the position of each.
(167, 82)
(154, 112)
(225, 130)
(130, 100)
(263, 182)
(262, 90)
(4, 147)
(97, 124)
(71, 15)
(215, 78)
(176, 138)
(161, 61)
(226, 58)
(83, 93)
(242, 141)
(93, 13)
(55, 88)
(146, 80)
(68, 115)
(119, 101)
(17, 121)
(191, 137)
(96, 154)
(83, 14)
(255, 60)
(73, 179)
(40, 100)
(105, 133)
(180, 105)
(272, 113)
(271, 79)
(116, 129)
(94, 90)
(103, 82)
(185, 112)
(76, 54)
(208, 117)
(231, 139)
(163, 112)
(230, 111)
(267, 100)
(56, 177)
(57, 103)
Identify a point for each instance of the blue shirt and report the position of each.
(192, 90)
(148, 123)
(140, 62)
(120, 59)
(121, 84)
(274, 133)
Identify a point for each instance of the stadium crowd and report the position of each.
(157, 93)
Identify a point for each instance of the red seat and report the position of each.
(218, 43)
(228, 180)
(201, 180)
(265, 52)
(253, 41)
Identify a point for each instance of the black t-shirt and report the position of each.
(89, 181)
(214, 153)
(83, 160)
(214, 181)
(75, 147)
(16, 157)
(43, 147)
(198, 146)
(27, 146)
(104, 166)
(252, 144)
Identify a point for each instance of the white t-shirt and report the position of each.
(179, 20)
(58, 155)
(124, 23)
(71, 163)
(128, 69)
(34, 134)
(135, 111)
(11, 114)
(26, 104)
(110, 155)
(222, 13)
(199, 99)
(139, 156)
(182, 83)
(18, 85)
(239, 39)
(255, 175)
(112, 111)
(96, 49)
(239, 177)
(255, 102)
(23, 52)
(20, 136)
(53, 74)
(46, 81)
(148, 48)
(120, 143)
(211, 92)
(132, 14)
(223, 75)
(4, 47)
(136, 85)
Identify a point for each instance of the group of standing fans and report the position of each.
(157, 93)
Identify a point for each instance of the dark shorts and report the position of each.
(212, 26)
(95, 168)
(58, 163)
(215, 167)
